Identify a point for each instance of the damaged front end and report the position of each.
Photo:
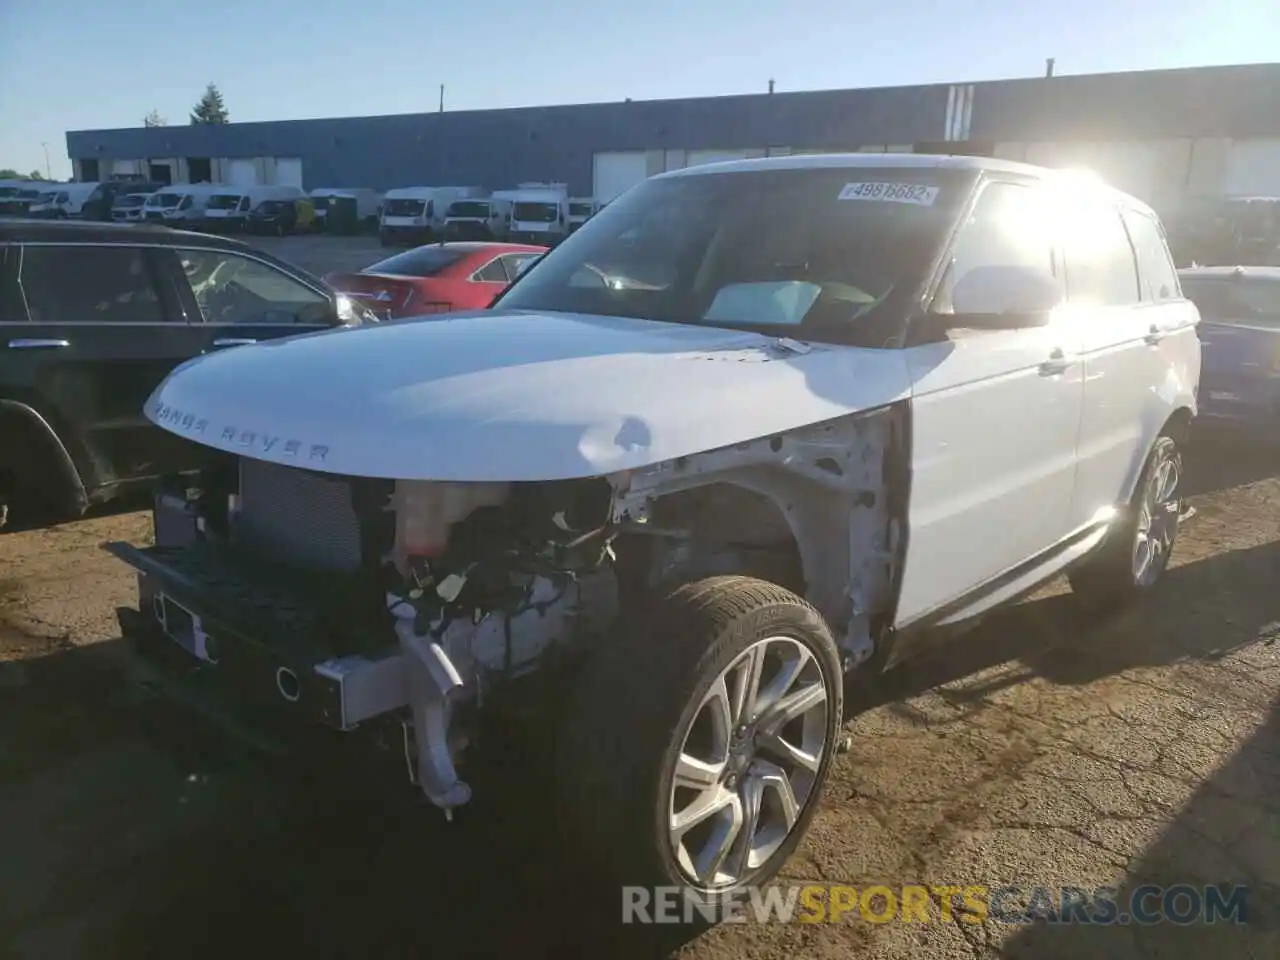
(410, 603)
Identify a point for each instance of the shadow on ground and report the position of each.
(1202, 611)
(134, 831)
(1228, 835)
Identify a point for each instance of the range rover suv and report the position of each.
(746, 434)
(92, 318)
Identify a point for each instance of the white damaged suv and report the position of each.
(739, 438)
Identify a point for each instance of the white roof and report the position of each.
(924, 161)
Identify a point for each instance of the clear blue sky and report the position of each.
(85, 64)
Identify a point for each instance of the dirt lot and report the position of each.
(1039, 749)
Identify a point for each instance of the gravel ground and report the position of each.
(1038, 749)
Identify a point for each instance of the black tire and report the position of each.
(1109, 580)
(33, 490)
(634, 704)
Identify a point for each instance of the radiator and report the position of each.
(297, 517)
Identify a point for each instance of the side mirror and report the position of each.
(1004, 298)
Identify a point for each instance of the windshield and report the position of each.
(49, 197)
(165, 200)
(271, 207)
(401, 207)
(28, 194)
(224, 201)
(817, 249)
(579, 209)
(536, 212)
(469, 208)
(321, 203)
(133, 200)
(1251, 301)
(419, 262)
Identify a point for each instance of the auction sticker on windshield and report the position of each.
(890, 193)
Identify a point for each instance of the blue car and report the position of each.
(1240, 338)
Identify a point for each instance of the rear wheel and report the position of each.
(697, 747)
(32, 489)
(1137, 550)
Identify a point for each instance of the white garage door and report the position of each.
(615, 173)
(1253, 169)
(289, 171)
(126, 168)
(242, 173)
(697, 157)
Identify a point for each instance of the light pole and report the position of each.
(48, 171)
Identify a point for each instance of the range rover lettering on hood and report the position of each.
(230, 435)
(508, 396)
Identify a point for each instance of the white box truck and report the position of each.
(539, 213)
(416, 214)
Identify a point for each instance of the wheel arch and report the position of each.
(73, 495)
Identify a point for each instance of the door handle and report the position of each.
(1057, 363)
(1154, 335)
(23, 343)
(234, 341)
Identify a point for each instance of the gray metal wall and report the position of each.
(500, 147)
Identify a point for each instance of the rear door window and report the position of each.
(90, 284)
(1156, 272)
(516, 263)
(492, 272)
(1102, 270)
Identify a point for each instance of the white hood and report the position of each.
(494, 395)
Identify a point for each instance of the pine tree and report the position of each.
(210, 108)
(153, 119)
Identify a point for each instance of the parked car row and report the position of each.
(533, 212)
(757, 430)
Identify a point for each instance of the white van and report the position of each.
(62, 200)
(229, 206)
(417, 214)
(128, 206)
(182, 204)
(367, 202)
(539, 213)
(476, 219)
(581, 209)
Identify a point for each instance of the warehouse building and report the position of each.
(1163, 135)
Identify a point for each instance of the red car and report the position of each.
(437, 277)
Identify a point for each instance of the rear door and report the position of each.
(104, 328)
(237, 298)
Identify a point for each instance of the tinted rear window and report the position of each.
(419, 262)
(1245, 300)
(108, 284)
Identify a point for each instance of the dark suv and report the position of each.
(93, 317)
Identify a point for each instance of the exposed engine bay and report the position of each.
(455, 588)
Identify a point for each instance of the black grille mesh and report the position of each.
(297, 517)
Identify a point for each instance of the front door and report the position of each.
(104, 329)
(995, 414)
(241, 299)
